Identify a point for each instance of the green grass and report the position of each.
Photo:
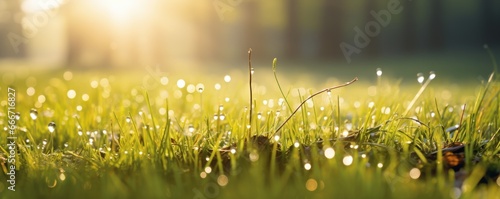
(131, 134)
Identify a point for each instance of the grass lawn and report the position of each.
(110, 134)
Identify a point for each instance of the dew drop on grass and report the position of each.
(208, 169)
(311, 184)
(363, 155)
(348, 125)
(296, 144)
(227, 78)
(200, 87)
(414, 173)
(216, 117)
(44, 142)
(276, 138)
(254, 156)
(252, 71)
(18, 116)
(33, 114)
(191, 128)
(233, 150)
(80, 133)
(379, 72)
(217, 86)
(27, 141)
(222, 180)
(420, 78)
(347, 160)
(181, 83)
(52, 127)
(432, 75)
(164, 80)
(71, 94)
(307, 166)
(329, 153)
(62, 177)
(345, 133)
(203, 175)
(259, 115)
(380, 165)
(66, 145)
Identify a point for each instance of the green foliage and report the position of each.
(125, 137)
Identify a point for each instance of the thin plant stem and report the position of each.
(311, 96)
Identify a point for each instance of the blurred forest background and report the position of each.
(442, 35)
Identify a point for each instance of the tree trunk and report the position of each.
(331, 30)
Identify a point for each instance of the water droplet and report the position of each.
(379, 72)
(276, 138)
(252, 71)
(222, 117)
(311, 184)
(200, 87)
(80, 133)
(164, 80)
(71, 94)
(329, 153)
(18, 116)
(52, 127)
(420, 78)
(432, 75)
(414, 173)
(380, 165)
(329, 92)
(222, 180)
(227, 78)
(181, 83)
(348, 125)
(233, 150)
(33, 114)
(307, 166)
(221, 107)
(191, 128)
(347, 160)
(128, 120)
(27, 141)
(296, 144)
(208, 169)
(44, 142)
(254, 156)
(259, 115)
(216, 117)
(66, 145)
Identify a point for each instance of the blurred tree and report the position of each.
(490, 27)
(210, 23)
(372, 49)
(331, 30)
(11, 31)
(292, 41)
(409, 42)
(436, 25)
(89, 38)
